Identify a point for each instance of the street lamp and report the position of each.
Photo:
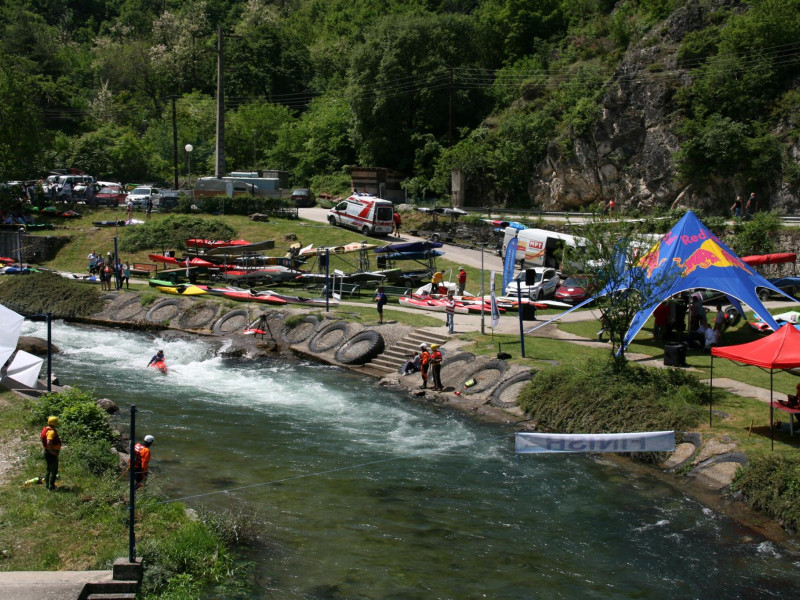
(254, 149)
(20, 231)
(189, 148)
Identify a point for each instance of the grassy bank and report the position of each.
(84, 523)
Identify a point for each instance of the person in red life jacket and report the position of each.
(462, 280)
(450, 310)
(158, 357)
(436, 368)
(425, 358)
(52, 447)
(397, 222)
(141, 460)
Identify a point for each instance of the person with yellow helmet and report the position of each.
(436, 368)
(52, 448)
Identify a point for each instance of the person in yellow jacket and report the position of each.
(52, 448)
(436, 282)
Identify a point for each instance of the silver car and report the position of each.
(546, 282)
(138, 196)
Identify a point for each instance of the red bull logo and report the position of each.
(709, 254)
(652, 260)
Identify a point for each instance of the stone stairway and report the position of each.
(393, 359)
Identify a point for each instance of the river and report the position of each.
(367, 494)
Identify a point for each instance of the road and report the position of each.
(464, 256)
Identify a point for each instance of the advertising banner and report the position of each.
(650, 441)
(508, 263)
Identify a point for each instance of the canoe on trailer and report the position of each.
(272, 274)
(170, 260)
(241, 249)
(251, 296)
(344, 249)
(202, 243)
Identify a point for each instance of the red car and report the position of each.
(111, 195)
(574, 290)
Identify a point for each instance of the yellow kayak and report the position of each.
(182, 289)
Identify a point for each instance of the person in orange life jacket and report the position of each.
(159, 356)
(425, 358)
(462, 280)
(52, 447)
(436, 367)
(450, 310)
(141, 460)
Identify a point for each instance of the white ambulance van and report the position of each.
(540, 248)
(368, 214)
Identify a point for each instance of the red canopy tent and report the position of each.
(779, 350)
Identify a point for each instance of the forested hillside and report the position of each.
(555, 103)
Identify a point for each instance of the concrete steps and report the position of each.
(110, 590)
(395, 357)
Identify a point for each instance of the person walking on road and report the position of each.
(462, 280)
(397, 222)
(52, 448)
(141, 460)
(436, 368)
(380, 301)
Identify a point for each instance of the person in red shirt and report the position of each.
(141, 460)
(462, 280)
(397, 222)
(436, 367)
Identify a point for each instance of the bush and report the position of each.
(80, 417)
(613, 397)
(92, 456)
(244, 205)
(772, 484)
(173, 232)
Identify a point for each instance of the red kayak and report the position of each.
(5, 259)
(250, 296)
(201, 243)
(193, 262)
(160, 365)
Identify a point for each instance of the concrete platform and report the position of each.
(49, 585)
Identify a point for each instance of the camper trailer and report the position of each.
(539, 247)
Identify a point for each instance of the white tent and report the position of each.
(10, 326)
(25, 369)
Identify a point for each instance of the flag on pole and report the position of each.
(495, 310)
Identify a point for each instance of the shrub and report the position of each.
(173, 231)
(772, 484)
(80, 417)
(92, 456)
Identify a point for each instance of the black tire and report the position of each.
(466, 357)
(332, 221)
(496, 399)
(158, 314)
(301, 332)
(127, 309)
(435, 237)
(199, 315)
(409, 283)
(485, 383)
(275, 324)
(763, 294)
(365, 230)
(733, 316)
(538, 295)
(231, 322)
(319, 344)
(361, 348)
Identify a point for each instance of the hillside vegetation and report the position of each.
(553, 103)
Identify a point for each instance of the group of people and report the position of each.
(750, 207)
(51, 444)
(670, 321)
(428, 362)
(109, 271)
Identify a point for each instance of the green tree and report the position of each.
(263, 118)
(21, 131)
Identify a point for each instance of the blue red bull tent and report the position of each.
(690, 257)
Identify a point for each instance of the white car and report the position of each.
(138, 196)
(546, 282)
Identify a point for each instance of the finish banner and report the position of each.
(650, 441)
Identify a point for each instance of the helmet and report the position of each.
(434, 346)
(52, 421)
(422, 346)
(149, 439)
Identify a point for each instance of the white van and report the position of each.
(538, 247)
(364, 213)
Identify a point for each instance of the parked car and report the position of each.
(790, 285)
(303, 198)
(545, 283)
(169, 199)
(139, 196)
(110, 194)
(574, 290)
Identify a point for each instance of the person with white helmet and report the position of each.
(141, 460)
(424, 359)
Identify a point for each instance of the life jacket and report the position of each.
(425, 358)
(56, 439)
(141, 458)
(436, 358)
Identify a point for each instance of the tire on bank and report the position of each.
(301, 332)
(329, 337)
(231, 322)
(506, 394)
(361, 348)
(198, 315)
(164, 310)
(127, 308)
(485, 376)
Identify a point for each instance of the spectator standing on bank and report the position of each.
(436, 368)
(397, 222)
(126, 275)
(450, 310)
(380, 301)
(424, 364)
(752, 205)
(52, 448)
(148, 207)
(129, 208)
(462, 280)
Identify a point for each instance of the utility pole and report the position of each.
(175, 141)
(219, 168)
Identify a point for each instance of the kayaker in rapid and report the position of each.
(159, 357)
